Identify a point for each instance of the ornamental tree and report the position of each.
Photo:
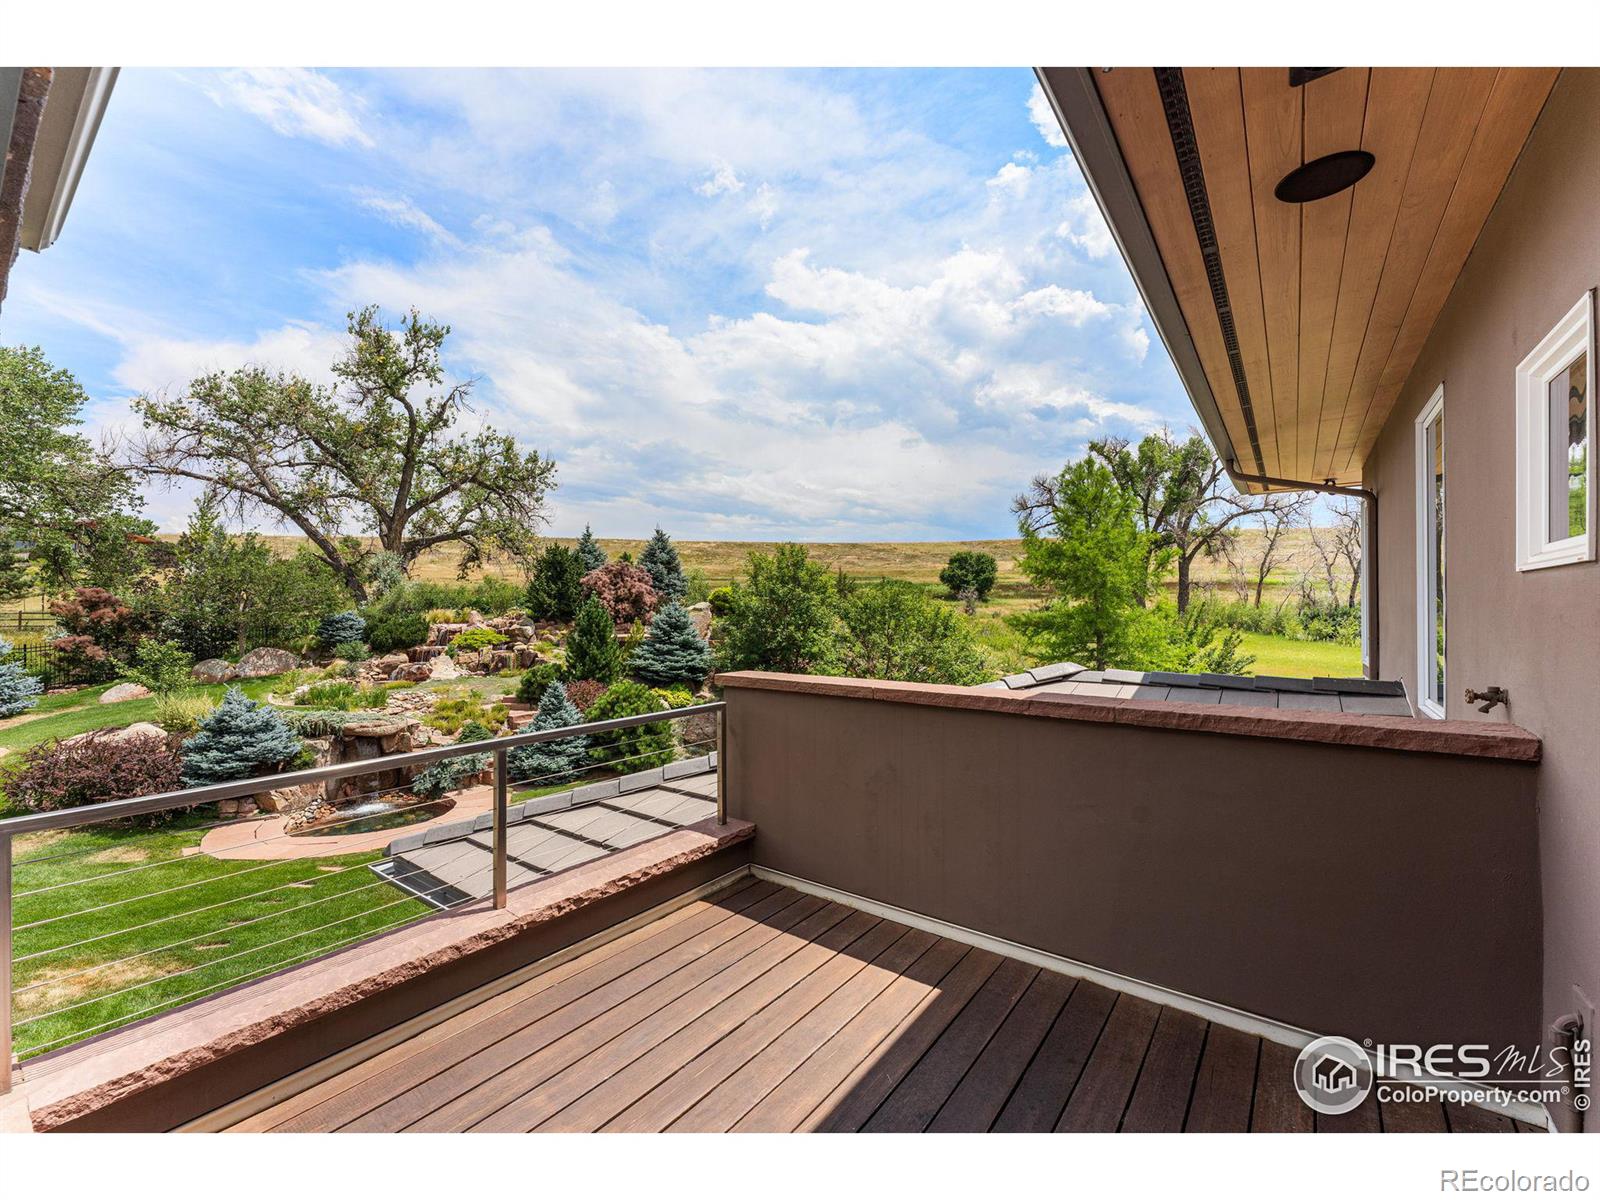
(592, 650)
(660, 558)
(240, 739)
(557, 761)
(378, 454)
(589, 551)
(625, 590)
(674, 651)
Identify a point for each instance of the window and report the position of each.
(1555, 437)
(1430, 557)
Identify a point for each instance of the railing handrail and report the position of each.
(116, 810)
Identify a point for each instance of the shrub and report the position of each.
(163, 667)
(584, 692)
(1331, 623)
(318, 722)
(895, 630)
(783, 617)
(92, 769)
(969, 569)
(443, 776)
(721, 601)
(555, 588)
(337, 628)
(592, 650)
(551, 762)
(94, 613)
(352, 651)
(469, 640)
(494, 595)
(535, 680)
(675, 697)
(625, 590)
(180, 714)
(240, 739)
(698, 589)
(589, 552)
(474, 731)
(344, 695)
(397, 631)
(660, 558)
(19, 691)
(674, 652)
(453, 712)
(637, 748)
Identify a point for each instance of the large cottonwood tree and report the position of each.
(379, 454)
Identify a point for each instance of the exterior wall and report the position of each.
(1341, 888)
(1535, 633)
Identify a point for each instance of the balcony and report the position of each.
(915, 907)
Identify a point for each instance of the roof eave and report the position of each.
(1076, 101)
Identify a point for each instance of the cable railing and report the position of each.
(108, 919)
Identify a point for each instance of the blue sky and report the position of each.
(831, 305)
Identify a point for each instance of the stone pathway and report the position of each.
(264, 839)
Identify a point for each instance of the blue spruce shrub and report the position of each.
(19, 691)
(238, 740)
(546, 763)
(337, 628)
(674, 652)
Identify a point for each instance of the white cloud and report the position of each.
(1086, 228)
(1011, 179)
(1044, 118)
(723, 179)
(295, 102)
(400, 211)
(764, 204)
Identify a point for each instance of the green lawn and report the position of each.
(1286, 656)
(147, 927)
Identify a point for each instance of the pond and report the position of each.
(375, 815)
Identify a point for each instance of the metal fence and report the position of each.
(31, 635)
(87, 933)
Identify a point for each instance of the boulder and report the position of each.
(124, 691)
(412, 672)
(289, 799)
(701, 615)
(140, 729)
(213, 670)
(388, 662)
(266, 660)
(444, 667)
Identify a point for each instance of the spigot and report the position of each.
(1490, 697)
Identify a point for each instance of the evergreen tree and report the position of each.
(660, 558)
(555, 588)
(589, 552)
(674, 652)
(557, 761)
(240, 739)
(340, 627)
(592, 650)
(19, 691)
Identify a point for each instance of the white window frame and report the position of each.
(1550, 358)
(1425, 626)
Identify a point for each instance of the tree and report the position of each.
(1089, 552)
(625, 590)
(674, 652)
(1282, 512)
(660, 558)
(969, 570)
(589, 551)
(19, 691)
(239, 740)
(592, 649)
(638, 747)
(50, 479)
(782, 617)
(551, 762)
(555, 586)
(1338, 546)
(376, 454)
(115, 551)
(335, 629)
(161, 666)
(895, 630)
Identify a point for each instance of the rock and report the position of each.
(213, 670)
(389, 662)
(124, 691)
(289, 799)
(412, 672)
(140, 729)
(266, 660)
(701, 615)
(444, 667)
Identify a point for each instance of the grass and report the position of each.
(1287, 656)
(168, 926)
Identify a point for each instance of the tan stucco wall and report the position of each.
(1537, 634)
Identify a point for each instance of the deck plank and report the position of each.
(1361, 1119)
(1412, 1116)
(1277, 1107)
(1098, 1102)
(917, 1098)
(1039, 1097)
(1161, 1097)
(976, 1103)
(1224, 1088)
(1469, 1118)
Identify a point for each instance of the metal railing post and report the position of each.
(722, 766)
(502, 773)
(5, 963)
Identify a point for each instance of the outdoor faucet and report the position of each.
(1490, 697)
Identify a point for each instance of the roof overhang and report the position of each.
(1294, 325)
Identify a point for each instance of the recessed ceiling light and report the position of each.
(1323, 177)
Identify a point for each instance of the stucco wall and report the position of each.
(1341, 888)
(1535, 633)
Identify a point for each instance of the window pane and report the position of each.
(1569, 451)
(1434, 530)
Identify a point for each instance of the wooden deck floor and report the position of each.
(764, 1009)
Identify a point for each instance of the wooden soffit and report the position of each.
(1302, 320)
